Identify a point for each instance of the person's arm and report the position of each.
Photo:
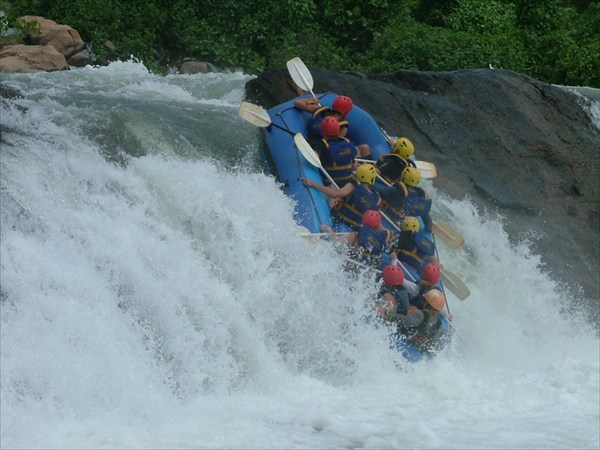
(307, 104)
(411, 320)
(330, 191)
(348, 238)
(412, 288)
(390, 306)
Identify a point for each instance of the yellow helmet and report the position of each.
(410, 224)
(403, 148)
(411, 176)
(366, 173)
(435, 298)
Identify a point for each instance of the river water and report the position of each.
(154, 294)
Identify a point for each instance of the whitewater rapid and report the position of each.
(154, 294)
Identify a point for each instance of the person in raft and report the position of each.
(354, 199)
(421, 327)
(336, 153)
(340, 108)
(412, 247)
(370, 244)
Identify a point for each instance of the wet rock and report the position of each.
(514, 145)
(63, 38)
(31, 58)
(193, 66)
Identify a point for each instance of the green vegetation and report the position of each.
(557, 41)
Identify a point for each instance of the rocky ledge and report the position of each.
(527, 150)
(47, 46)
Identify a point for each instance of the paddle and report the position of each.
(312, 157)
(301, 75)
(304, 80)
(305, 232)
(455, 284)
(448, 234)
(258, 116)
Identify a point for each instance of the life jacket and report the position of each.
(338, 159)
(391, 166)
(416, 251)
(419, 300)
(351, 209)
(392, 202)
(427, 336)
(417, 203)
(400, 294)
(314, 123)
(372, 244)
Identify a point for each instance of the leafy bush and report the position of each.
(552, 40)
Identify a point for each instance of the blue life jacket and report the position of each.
(417, 203)
(339, 158)
(392, 201)
(416, 251)
(352, 208)
(373, 243)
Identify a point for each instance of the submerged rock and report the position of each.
(514, 145)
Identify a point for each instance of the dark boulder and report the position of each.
(514, 145)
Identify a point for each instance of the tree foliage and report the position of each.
(556, 41)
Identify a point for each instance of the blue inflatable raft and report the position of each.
(289, 166)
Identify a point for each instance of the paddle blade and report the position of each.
(455, 285)
(427, 169)
(309, 154)
(254, 114)
(448, 234)
(300, 74)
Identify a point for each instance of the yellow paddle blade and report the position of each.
(455, 285)
(427, 169)
(448, 234)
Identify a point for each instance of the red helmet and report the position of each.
(431, 273)
(330, 126)
(372, 219)
(392, 275)
(342, 104)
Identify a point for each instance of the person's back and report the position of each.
(337, 154)
(417, 202)
(422, 327)
(352, 207)
(340, 108)
(412, 247)
(393, 293)
(391, 165)
(372, 240)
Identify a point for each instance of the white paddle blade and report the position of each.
(427, 169)
(254, 114)
(300, 74)
(448, 234)
(455, 285)
(309, 154)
